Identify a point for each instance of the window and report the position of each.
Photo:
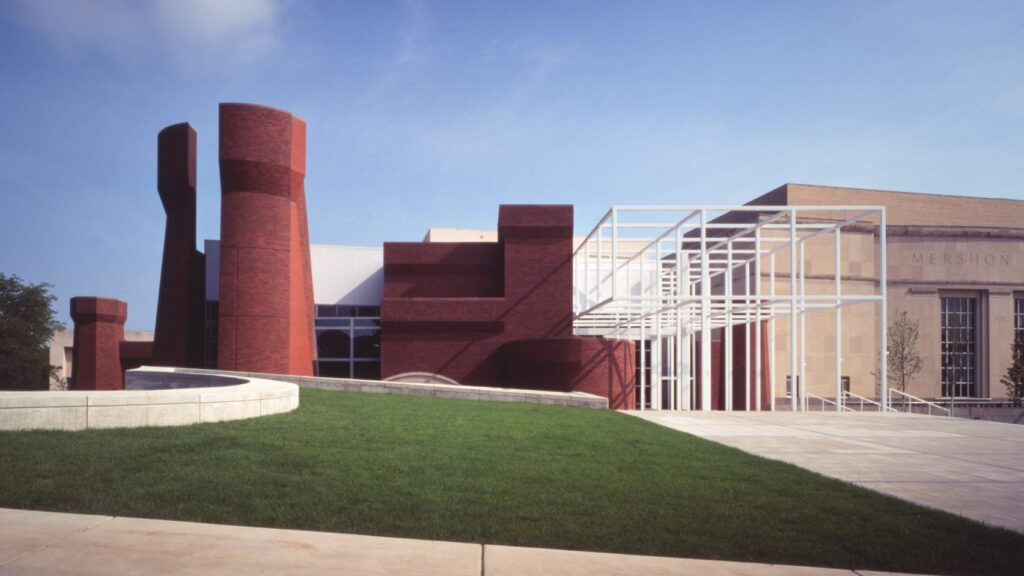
(789, 385)
(333, 343)
(844, 381)
(959, 346)
(348, 341)
(212, 310)
(646, 376)
(1018, 313)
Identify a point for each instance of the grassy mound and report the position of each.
(499, 473)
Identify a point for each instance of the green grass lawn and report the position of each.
(500, 473)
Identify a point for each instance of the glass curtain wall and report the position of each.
(348, 341)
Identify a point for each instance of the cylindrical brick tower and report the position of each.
(178, 339)
(99, 330)
(266, 284)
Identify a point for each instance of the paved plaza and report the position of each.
(968, 467)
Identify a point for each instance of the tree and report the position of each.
(1014, 379)
(904, 359)
(26, 324)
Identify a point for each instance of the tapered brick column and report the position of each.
(266, 285)
(178, 339)
(99, 330)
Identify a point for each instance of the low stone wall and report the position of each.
(88, 409)
(1005, 414)
(576, 399)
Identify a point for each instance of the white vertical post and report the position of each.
(597, 265)
(629, 280)
(643, 335)
(839, 325)
(656, 367)
(772, 366)
(803, 331)
(575, 286)
(705, 322)
(727, 331)
(682, 289)
(883, 370)
(643, 365)
(586, 275)
(673, 378)
(615, 252)
(757, 318)
(693, 371)
(746, 338)
(682, 350)
(657, 350)
(793, 343)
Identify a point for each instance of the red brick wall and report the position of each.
(133, 354)
(455, 323)
(443, 269)
(497, 314)
(593, 365)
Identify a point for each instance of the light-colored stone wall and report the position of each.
(937, 246)
(913, 209)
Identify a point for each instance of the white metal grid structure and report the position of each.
(666, 276)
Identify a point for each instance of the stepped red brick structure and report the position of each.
(497, 314)
(266, 285)
(178, 338)
(99, 331)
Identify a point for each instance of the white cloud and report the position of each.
(110, 27)
(234, 30)
(411, 48)
(190, 33)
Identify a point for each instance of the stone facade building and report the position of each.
(955, 265)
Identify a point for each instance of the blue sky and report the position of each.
(432, 113)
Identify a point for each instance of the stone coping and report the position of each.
(88, 409)
(575, 399)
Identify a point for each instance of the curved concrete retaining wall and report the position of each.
(575, 399)
(82, 410)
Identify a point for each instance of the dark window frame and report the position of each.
(959, 339)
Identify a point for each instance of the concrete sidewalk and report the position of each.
(967, 467)
(65, 544)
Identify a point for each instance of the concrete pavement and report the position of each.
(33, 543)
(967, 467)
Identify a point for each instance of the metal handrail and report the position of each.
(824, 402)
(909, 400)
(861, 400)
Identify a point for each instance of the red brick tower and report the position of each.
(178, 340)
(99, 330)
(266, 283)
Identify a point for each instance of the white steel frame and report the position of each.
(662, 275)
